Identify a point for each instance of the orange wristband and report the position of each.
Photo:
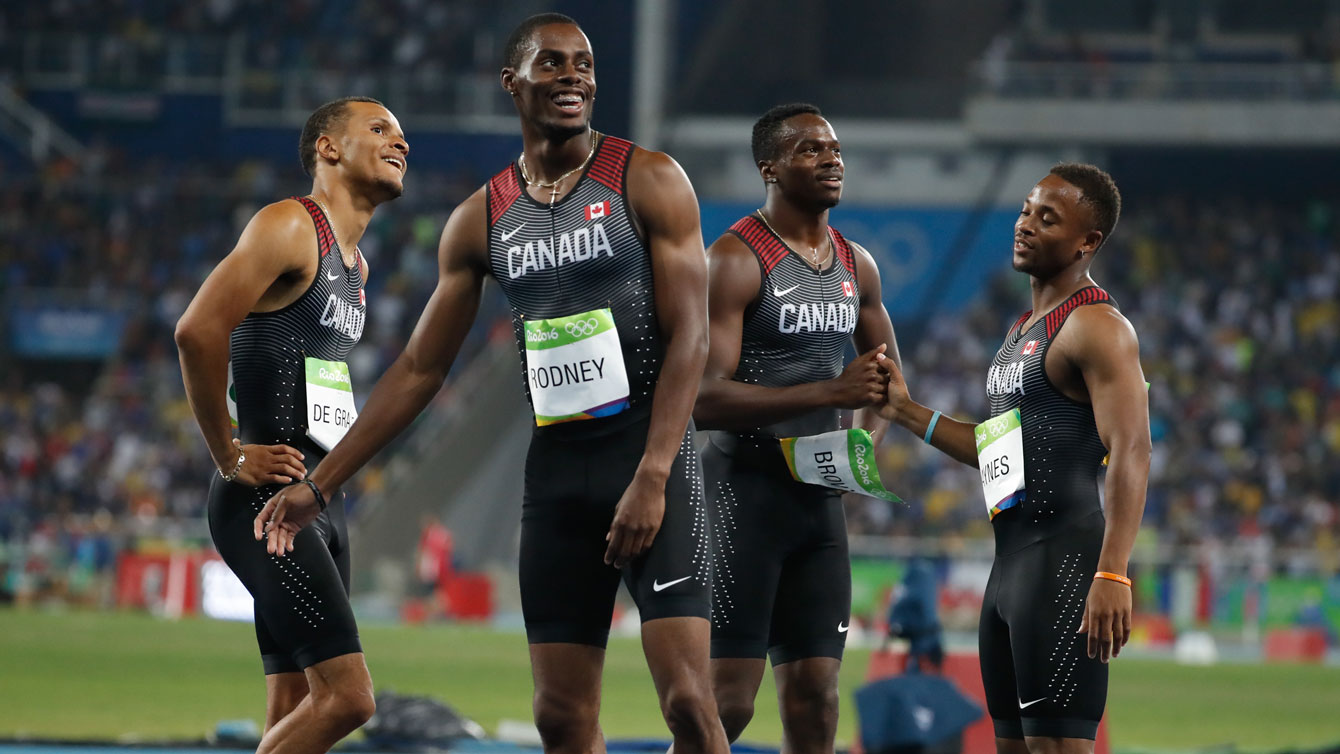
(1112, 577)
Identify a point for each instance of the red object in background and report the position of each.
(435, 546)
(167, 583)
(962, 668)
(1295, 645)
(470, 596)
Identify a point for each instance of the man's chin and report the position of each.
(386, 190)
(565, 130)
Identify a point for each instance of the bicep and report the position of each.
(733, 283)
(873, 325)
(1109, 360)
(664, 201)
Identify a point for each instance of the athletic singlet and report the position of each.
(1062, 450)
(267, 349)
(582, 254)
(799, 324)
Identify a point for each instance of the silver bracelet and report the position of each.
(236, 469)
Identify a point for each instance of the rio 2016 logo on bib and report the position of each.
(575, 368)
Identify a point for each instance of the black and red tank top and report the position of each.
(1063, 453)
(267, 349)
(798, 326)
(579, 254)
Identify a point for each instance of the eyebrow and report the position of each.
(562, 53)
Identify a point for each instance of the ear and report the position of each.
(508, 80)
(327, 149)
(1092, 240)
(767, 170)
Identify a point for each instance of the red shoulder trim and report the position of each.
(844, 250)
(1014, 328)
(325, 237)
(611, 161)
(1083, 297)
(504, 190)
(767, 247)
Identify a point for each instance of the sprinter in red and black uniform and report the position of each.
(597, 246)
(284, 307)
(788, 293)
(1071, 367)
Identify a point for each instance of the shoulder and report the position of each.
(648, 169)
(864, 259)
(465, 235)
(1097, 332)
(283, 228)
(282, 219)
(731, 253)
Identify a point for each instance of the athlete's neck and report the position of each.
(350, 213)
(548, 158)
(1051, 292)
(807, 228)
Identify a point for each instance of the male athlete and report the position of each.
(596, 244)
(787, 293)
(1065, 388)
(280, 313)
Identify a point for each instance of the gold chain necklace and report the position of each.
(553, 185)
(331, 222)
(814, 250)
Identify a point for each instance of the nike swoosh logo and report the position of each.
(779, 294)
(507, 236)
(333, 277)
(1030, 704)
(658, 586)
(842, 628)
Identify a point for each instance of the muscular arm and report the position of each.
(418, 373)
(278, 243)
(664, 202)
(951, 437)
(1102, 346)
(724, 403)
(873, 328)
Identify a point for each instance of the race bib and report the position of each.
(330, 401)
(1000, 459)
(574, 366)
(843, 460)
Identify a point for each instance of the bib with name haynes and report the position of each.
(1062, 452)
(269, 352)
(580, 256)
(797, 328)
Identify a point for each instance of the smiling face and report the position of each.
(808, 168)
(554, 85)
(374, 147)
(1055, 229)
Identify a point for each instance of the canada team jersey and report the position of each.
(577, 257)
(798, 327)
(1063, 453)
(267, 350)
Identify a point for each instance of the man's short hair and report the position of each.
(768, 130)
(1097, 189)
(520, 39)
(323, 120)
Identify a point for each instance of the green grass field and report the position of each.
(125, 676)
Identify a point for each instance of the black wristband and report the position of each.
(320, 499)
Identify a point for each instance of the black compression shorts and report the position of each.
(782, 573)
(302, 599)
(1038, 676)
(573, 484)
